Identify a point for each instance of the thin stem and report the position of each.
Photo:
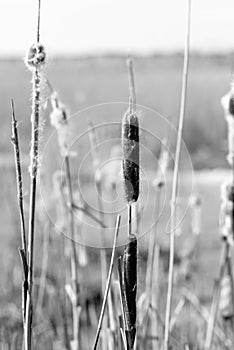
(151, 247)
(19, 181)
(129, 219)
(132, 88)
(87, 212)
(216, 296)
(175, 180)
(38, 20)
(107, 284)
(74, 260)
(44, 268)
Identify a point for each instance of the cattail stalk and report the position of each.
(34, 60)
(107, 284)
(130, 169)
(175, 181)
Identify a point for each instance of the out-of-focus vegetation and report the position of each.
(84, 82)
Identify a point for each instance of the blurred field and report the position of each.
(82, 83)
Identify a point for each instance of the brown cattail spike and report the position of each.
(130, 165)
(130, 288)
(231, 105)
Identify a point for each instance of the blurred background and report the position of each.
(87, 43)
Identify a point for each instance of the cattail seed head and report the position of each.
(36, 56)
(130, 287)
(228, 106)
(231, 98)
(226, 219)
(58, 119)
(225, 304)
(130, 150)
(231, 105)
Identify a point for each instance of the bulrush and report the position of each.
(130, 169)
(130, 166)
(130, 288)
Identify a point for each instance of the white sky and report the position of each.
(95, 26)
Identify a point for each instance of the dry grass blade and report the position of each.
(88, 213)
(175, 181)
(93, 138)
(204, 313)
(107, 284)
(19, 181)
(216, 297)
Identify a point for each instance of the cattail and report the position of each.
(130, 164)
(226, 212)
(163, 163)
(35, 59)
(58, 119)
(225, 302)
(130, 144)
(195, 205)
(130, 169)
(130, 288)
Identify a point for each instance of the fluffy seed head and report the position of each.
(58, 119)
(227, 191)
(130, 151)
(36, 56)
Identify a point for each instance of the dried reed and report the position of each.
(19, 182)
(175, 180)
(107, 284)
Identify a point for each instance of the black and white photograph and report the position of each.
(117, 175)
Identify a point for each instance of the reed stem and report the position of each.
(74, 260)
(175, 180)
(107, 284)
